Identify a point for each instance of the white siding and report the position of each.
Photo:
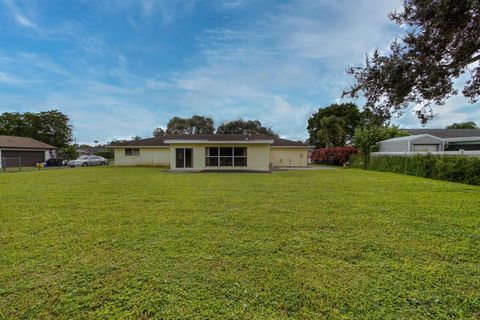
(393, 146)
(289, 157)
(154, 157)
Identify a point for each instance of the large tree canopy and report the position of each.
(158, 132)
(244, 127)
(194, 125)
(331, 131)
(347, 111)
(442, 42)
(352, 118)
(51, 127)
(463, 125)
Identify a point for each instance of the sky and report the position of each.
(120, 68)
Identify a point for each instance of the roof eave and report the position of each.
(186, 141)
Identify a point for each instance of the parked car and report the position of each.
(85, 161)
(54, 162)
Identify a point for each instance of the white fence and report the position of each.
(468, 153)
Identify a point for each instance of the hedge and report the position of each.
(335, 155)
(450, 168)
(107, 154)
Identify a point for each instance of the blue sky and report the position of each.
(120, 68)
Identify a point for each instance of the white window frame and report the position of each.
(132, 153)
(218, 156)
(184, 158)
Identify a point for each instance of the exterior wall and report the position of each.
(427, 141)
(257, 156)
(394, 146)
(425, 147)
(288, 157)
(463, 145)
(409, 146)
(46, 157)
(154, 157)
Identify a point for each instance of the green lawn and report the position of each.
(101, 243)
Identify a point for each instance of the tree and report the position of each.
(463, 125)
(366, 139)
(330, 132)
(122, 141)
(347, 111)
(442, 43)
(158, 132)
(51, 127)
(194, 125)
(70, 152)
(241, 126)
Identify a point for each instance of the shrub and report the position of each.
(335, 156)
(107, 154)
(450, 168)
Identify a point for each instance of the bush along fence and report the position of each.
(337, 156)
(461, 169)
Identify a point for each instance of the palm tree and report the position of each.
(331, 131)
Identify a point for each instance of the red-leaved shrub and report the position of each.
(335, 156)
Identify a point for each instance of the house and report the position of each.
(24, 151)
(212, 152)
(434, 140)
(454, 139)
(415, 143)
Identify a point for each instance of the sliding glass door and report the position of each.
(183, 158)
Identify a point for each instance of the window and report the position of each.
(183, 157)
(132, 151)
(225, 157)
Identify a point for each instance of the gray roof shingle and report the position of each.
(160, 141)
(23, 143)
(446, 133)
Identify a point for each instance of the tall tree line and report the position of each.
(51, 127)
(205, 125)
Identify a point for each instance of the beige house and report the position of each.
(213, 152)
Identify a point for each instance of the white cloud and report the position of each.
(24, 21)
(265, 68)
(19, 15)
(277, 66)
(10, 79)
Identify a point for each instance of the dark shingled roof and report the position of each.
(160, 141)
(446, 133)
(22, 143)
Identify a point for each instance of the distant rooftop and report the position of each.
(446, 133)
(412, 137)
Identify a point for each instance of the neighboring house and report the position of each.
(416, 143)
(434, 140)
(212, 152)
(26, 151)
(454, 139)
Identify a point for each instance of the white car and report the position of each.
(85, 161)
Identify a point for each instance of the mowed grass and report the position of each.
(138, 243)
